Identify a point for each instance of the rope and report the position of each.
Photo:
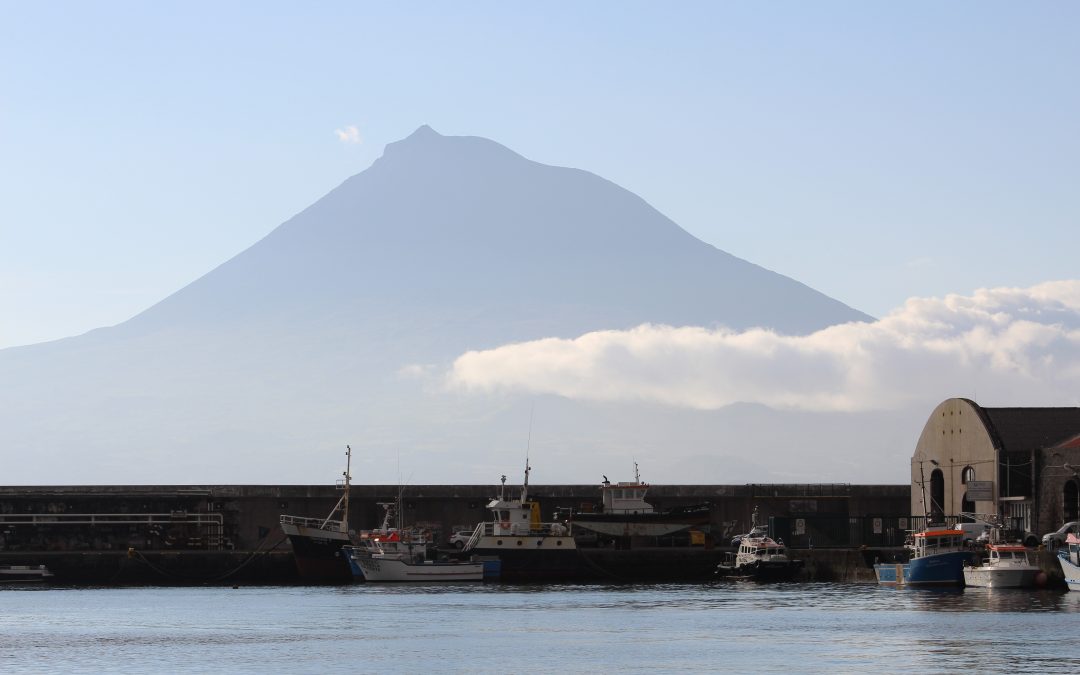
(137, 555)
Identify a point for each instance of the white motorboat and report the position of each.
(22, 573)
(1005, 566)
(762, 559)
(382, 566)
(1069, 559)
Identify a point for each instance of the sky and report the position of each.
(874, 151)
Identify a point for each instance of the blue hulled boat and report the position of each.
(937, 559)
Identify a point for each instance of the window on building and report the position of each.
(968, 474)
(1071, 500)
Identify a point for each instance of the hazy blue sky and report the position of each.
(873, 151)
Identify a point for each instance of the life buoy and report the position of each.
(505, 524)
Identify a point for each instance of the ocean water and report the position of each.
(735, 627)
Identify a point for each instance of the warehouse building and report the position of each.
(1013, 463)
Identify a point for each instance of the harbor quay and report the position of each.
(230, 534)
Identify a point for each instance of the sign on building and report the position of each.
(980, 490)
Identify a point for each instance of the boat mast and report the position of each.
(343, 501)
(525, 487)
(348, 485)
(528, 446)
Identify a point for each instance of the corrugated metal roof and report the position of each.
(1026, 429)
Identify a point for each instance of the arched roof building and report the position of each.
(1009, 462)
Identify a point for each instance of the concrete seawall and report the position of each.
(230, 534)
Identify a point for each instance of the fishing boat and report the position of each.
(317, 542)
(1005, 566)
(24, 573)
(527, 548)
(1069, 559)
(400, 565)
(938, 557)
(760, 558)
(388, 541)
(624, 512)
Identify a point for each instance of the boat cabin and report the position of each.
(932, 542)
(1008, 555)
(759, 548)
(625, 497)
(514, 517)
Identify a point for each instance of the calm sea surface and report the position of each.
(735, 627)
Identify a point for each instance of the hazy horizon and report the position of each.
(736, 243)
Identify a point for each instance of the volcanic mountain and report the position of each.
(329, 329)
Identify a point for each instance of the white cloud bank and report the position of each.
(349, 134)
(1011, 346)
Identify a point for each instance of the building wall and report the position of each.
(955, 437)
(1053, 476)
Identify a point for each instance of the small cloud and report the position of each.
(349, 134)
(415, 371)
(918, 263)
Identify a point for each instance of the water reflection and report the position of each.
(798, 627)
(987, 600)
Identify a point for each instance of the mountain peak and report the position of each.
(432, 148)
(423, 132)
(423, 136)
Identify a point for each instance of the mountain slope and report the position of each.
(308, 337)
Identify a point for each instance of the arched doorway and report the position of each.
(1070, 500)
(937, 496)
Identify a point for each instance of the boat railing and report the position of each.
(520, 530)
(475, 538)
(315, 523)
(171, 518)
(210, 525)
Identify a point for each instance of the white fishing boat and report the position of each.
(1069, 559)
(1005, 566)
(396, 546)
(400, 566)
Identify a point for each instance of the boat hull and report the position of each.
(989, 577)
(377, 569)
(762, 570)
(534, 558)
(643, 524)
(1070, 571)
(318, 555)
(944, 569)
